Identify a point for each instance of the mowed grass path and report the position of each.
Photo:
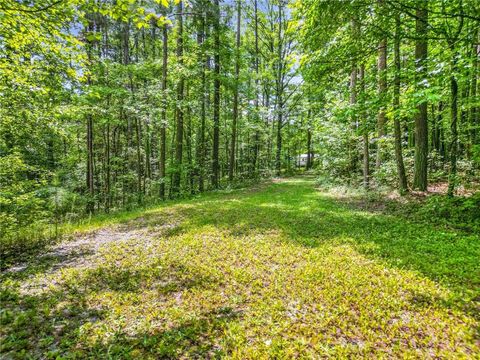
(279, 271)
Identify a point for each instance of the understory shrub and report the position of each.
(461, 212)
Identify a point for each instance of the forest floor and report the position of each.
(281, 270)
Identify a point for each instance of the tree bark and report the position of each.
(216, 99)
(235, 95)
(177, 175)
(279, 90)
(90, 167)
(163, 126)
(475, 111)
(453, 127)
(402, 178)
(256, 141)
(201, 156)
(382, 89)
(366, 152)
(353, 101)
(421, 121)
(309, 148)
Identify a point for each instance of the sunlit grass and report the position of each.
(282, 271)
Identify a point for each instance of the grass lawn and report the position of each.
(282, 270)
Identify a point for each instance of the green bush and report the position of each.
(461, 212)
(22, 208)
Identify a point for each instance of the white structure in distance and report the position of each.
(302, 159)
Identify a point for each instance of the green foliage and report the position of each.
(462, 212)
(21, 205)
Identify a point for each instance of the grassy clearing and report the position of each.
(281, 271)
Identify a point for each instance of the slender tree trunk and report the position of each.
(402, 178)
(107, 170)
(90, 167)
(438, 130)
(421, 121)
(188, 143)
(216, 99)
(201, 155)
(453, 126)
(366, 153)
(139, 160)
(353, 101)
(235, 95)
(163, 126)
(475, 111)
(382, 89)
(309, 148)
(278, 159)
(177, 175)
(256, 142)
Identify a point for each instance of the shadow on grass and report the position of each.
(306, 217)
(43, 263)
(48, 323)
(52, 321)
(196, 338)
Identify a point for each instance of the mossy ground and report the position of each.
(279, 271)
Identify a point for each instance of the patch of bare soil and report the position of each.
(82, 251)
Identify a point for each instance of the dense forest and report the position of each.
(240, 179)
(112, 105)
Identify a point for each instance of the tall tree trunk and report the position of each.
(421, 121)
(163, 126)
(235, 95)
(216, 99)
(382, 89)
(177, 175)
(353, 101)
(256, 142)
(279, 89)
(366, 153)
(90, 167)
(108, 170)
(475, 111)
(188, 143)
(453, 126)
(402, 178)
(139, 160)
(201, 147)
